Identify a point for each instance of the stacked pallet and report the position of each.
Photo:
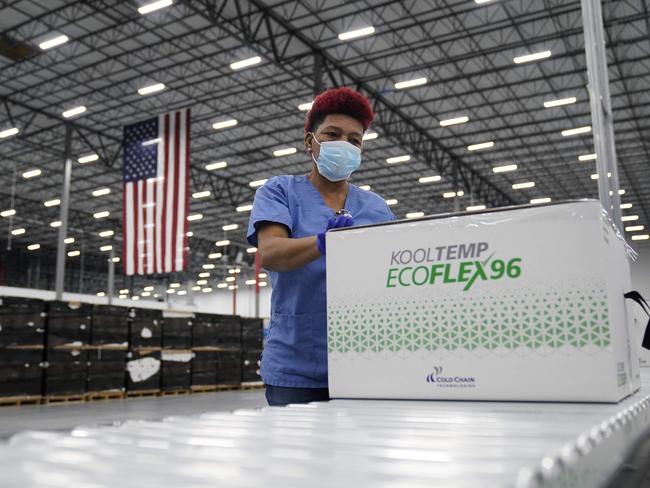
(251, 350)
(22, 341)
(216, 347)
(63, 351)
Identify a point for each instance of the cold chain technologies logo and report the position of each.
(457, 263)
(437, 379)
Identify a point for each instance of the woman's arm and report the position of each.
(279, 252)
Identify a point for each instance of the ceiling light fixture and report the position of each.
(355, 34)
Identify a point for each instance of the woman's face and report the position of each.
(335, 127)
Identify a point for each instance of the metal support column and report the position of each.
(110, 289)
(63, 229)
(601, 109)
(190, 292)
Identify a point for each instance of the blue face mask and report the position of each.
(337, 160)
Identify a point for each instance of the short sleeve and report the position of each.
(271, 204)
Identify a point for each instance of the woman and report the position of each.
(290, 217)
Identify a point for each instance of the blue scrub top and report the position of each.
(295, 353)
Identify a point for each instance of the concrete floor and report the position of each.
(61, 416)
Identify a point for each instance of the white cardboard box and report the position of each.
(519, 304)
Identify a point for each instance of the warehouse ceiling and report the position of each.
(463, 49)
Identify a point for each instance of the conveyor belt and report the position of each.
(343, 443)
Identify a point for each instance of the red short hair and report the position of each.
(339, 101)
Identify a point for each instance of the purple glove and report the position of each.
(335, 222)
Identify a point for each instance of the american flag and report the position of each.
(156, 194)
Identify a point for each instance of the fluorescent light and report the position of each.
(69, 240)
(101, 192)
(150, 7)
(204, 275)
(560, 102)
(521, 186)
(136, 298)
(106, 248)
(8, 213)
(74, 111)
(634, 228)
(285, 151)
(408, 84)
(595, 176)
(17, 232)
(244, 63)
(152, 142)
(225, 242)
(31, 173)
(251, 250)
(9, 132)
(304, 107)
(102, 214)
(505, 168)
(368, 136)
(208, 266)
(33, 247)
(230, 227)
(365, 187)
(206, 290)
(101, 294)
(148, 288)
(224, 124)
(222, 285)
(263, 284)
(454, 121)
(88, 159)
(201, 194)
(414, 215)
(106, 233)
(398, 159)
(536, 201)
(429, 179)
(578, 130)
(192, 217)
(233, 287)
(146, 90)
(170, 291)
(72, 254)
(116, 259)
(52, 203)
(214, 255)
(452, 194)
(56, 223)
(234, 270)
(641, 237)
(196, 288)
(629, 218)
(244, 208)
(391, 201)
(472, 208)
(230, 279)
(123, 291)
(250, 282)
(532, 57)
(180, 292)
(482, 1)
(625, 206)
(620, 192)
(216, 165)
(55, 41)
(587, 157)
(262, 275)
(257, 183)
(481, 145)
(365, 31)
(175, 285)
